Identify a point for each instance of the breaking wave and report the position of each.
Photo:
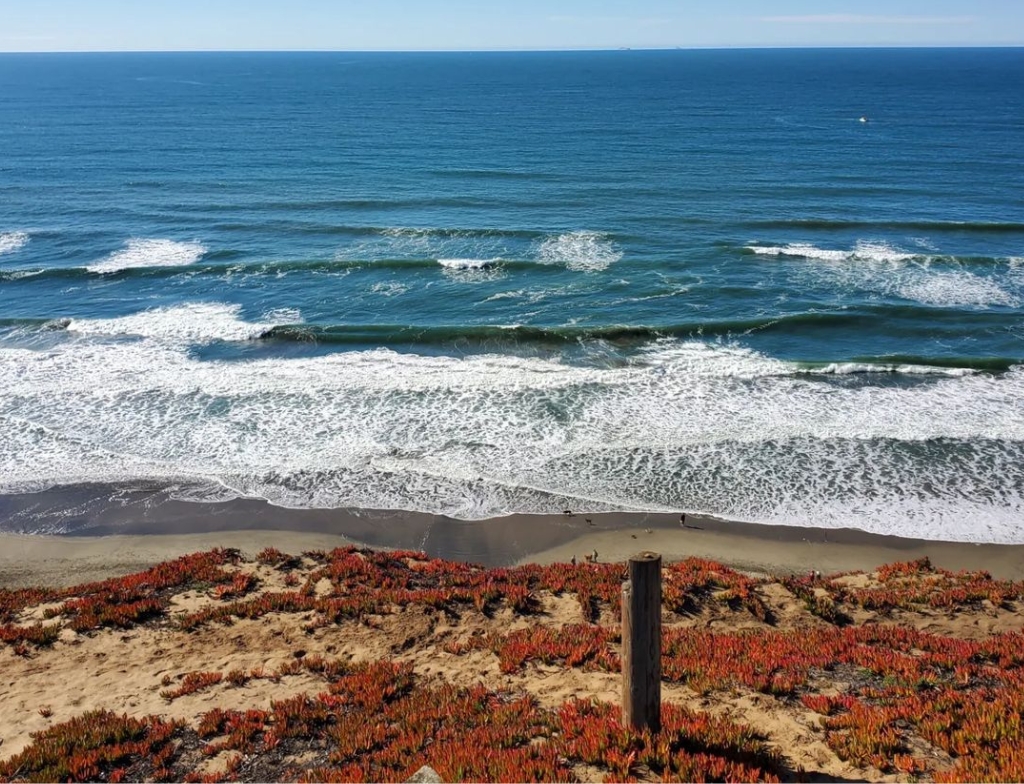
(684, 425)
(467, 264)
(863, 251)
(193, 323)
(582, 251)
(12, 241)
(878, 267)
(140, 253)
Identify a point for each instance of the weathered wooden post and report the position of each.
(641, 643)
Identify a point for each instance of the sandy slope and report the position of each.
(126, 670)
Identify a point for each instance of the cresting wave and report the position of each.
(863, 251)
(203, 323)
(878, 267)
(211, 265)
(389, 248)
(581, 251)
(196, 323)
(467, 264)
(513, 337)
(12, 241)
(584, 251)
(981, 227)
(684, 425)
(150, 253)
(877, 252)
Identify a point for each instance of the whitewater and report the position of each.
(475, 285)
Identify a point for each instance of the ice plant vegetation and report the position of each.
(377, 722)
(887, 698)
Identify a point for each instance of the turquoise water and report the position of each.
(780, 286)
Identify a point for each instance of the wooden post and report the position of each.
(641, 643)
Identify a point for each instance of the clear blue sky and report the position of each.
(108, 25)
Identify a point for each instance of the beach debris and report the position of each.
(567, 512)
(632, 536)
(648, 531)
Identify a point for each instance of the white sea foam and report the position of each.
(955, 288)
(469, 270)
(466, 264)
(863, 251)
(854, 368)
(675, 292)
(427, 243)
(529, 296)
(689, 425)
(190, 324)
(150, 253)
(583, 251)
(408, 232)
(12, 241)
(283, 316)
(517, 294)
(882, 269)
(390, 288)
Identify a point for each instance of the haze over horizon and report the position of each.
(459, 25)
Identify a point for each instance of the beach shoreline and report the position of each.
(109, 539)
(248, 633)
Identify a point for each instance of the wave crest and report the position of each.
(938, 281)
(467, 264)
(582, 251)
(862, 251)
(140, 253)
(12, 241)
(194, 323)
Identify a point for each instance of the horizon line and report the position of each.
(722, 47)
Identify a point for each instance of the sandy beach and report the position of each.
(113, 545)
(252, 631)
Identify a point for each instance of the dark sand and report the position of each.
(117, 530)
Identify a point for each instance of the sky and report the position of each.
(170, 25)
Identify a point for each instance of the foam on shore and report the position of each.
(686, 425)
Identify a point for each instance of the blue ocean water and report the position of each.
(780, 286)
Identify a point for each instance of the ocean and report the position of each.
(777, 286)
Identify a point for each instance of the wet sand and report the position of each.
(118, 532)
